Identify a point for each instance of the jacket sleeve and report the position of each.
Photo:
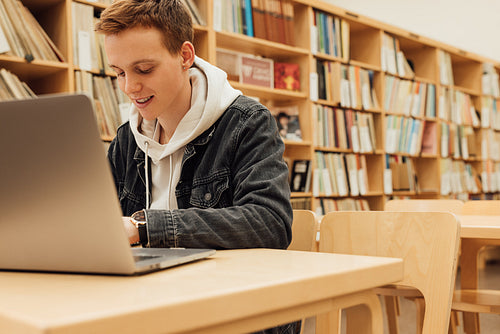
(125, 165)
(260, 214)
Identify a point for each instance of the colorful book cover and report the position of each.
(287, 76)
(301, 172)
(287, 119)
(257, 71)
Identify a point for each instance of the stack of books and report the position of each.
(12, 88)
(21, 35)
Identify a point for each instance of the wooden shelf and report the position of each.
(257, 46)
(269, 93)
(366, 43)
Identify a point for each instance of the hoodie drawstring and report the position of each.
(146, 167)
(170, 180)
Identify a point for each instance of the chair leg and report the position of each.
(328, 322)
(420, 303)
(471, 323)
(308, 326)
(364, 306)
(452, 329)
(356, 320)
(392, 310)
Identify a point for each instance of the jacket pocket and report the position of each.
(207, 192)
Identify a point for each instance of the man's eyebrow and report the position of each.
(140, 61)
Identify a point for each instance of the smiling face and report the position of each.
(156, 81)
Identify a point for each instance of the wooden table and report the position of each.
(233, 291)
(476, 232)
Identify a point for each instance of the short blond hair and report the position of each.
(170, 17)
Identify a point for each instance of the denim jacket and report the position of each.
(233, 190)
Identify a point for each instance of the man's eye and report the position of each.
(145, 71)
(120, 74)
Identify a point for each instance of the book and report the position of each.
(320, 70)
(11, 87)
(287, 76)
(362, 174)
(445, 68)
(404, 67)
(352, 173)
(85, 54)
(270, 22)
(345, 46)
(288, 17)
(331, 35)
(229, 62)
(301, 203)
(429, 138)
(301, 174)
(23, 46)
(330, 167)
(366, 132)
(246, 68)
(10, 44)
(278, 21)
(259, 21)
(246, 8)
(257, 71)
(39, 38)
(287, 119)
(198, 18)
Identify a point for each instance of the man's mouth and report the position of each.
(144, 100)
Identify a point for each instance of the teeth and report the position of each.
(144, 100)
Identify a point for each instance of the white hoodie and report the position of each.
(211, 96)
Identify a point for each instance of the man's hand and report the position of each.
(132, 231)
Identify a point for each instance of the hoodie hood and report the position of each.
(211, 96)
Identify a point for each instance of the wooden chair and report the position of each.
(304, 231)
(429, 251)
(391, 295)
(471, 301)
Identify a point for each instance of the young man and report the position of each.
(198, 164)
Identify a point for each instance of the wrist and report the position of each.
(138, 218)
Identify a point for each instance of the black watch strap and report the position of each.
(139, 218)
(143, 234)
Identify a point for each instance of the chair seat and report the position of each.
(478, 301)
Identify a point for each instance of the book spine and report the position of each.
(248, 17)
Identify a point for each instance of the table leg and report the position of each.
(469, 278)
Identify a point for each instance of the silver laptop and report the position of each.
(58, 204)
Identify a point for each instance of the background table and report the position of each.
(233, 291)
(476, 232)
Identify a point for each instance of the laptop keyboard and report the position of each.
(144, 257)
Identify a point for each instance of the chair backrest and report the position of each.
(482, 208)
(304, 231)
(429, 251)
(447, 205)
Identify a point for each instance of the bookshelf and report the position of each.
(446, 140)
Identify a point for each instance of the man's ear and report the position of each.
(187, 55)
